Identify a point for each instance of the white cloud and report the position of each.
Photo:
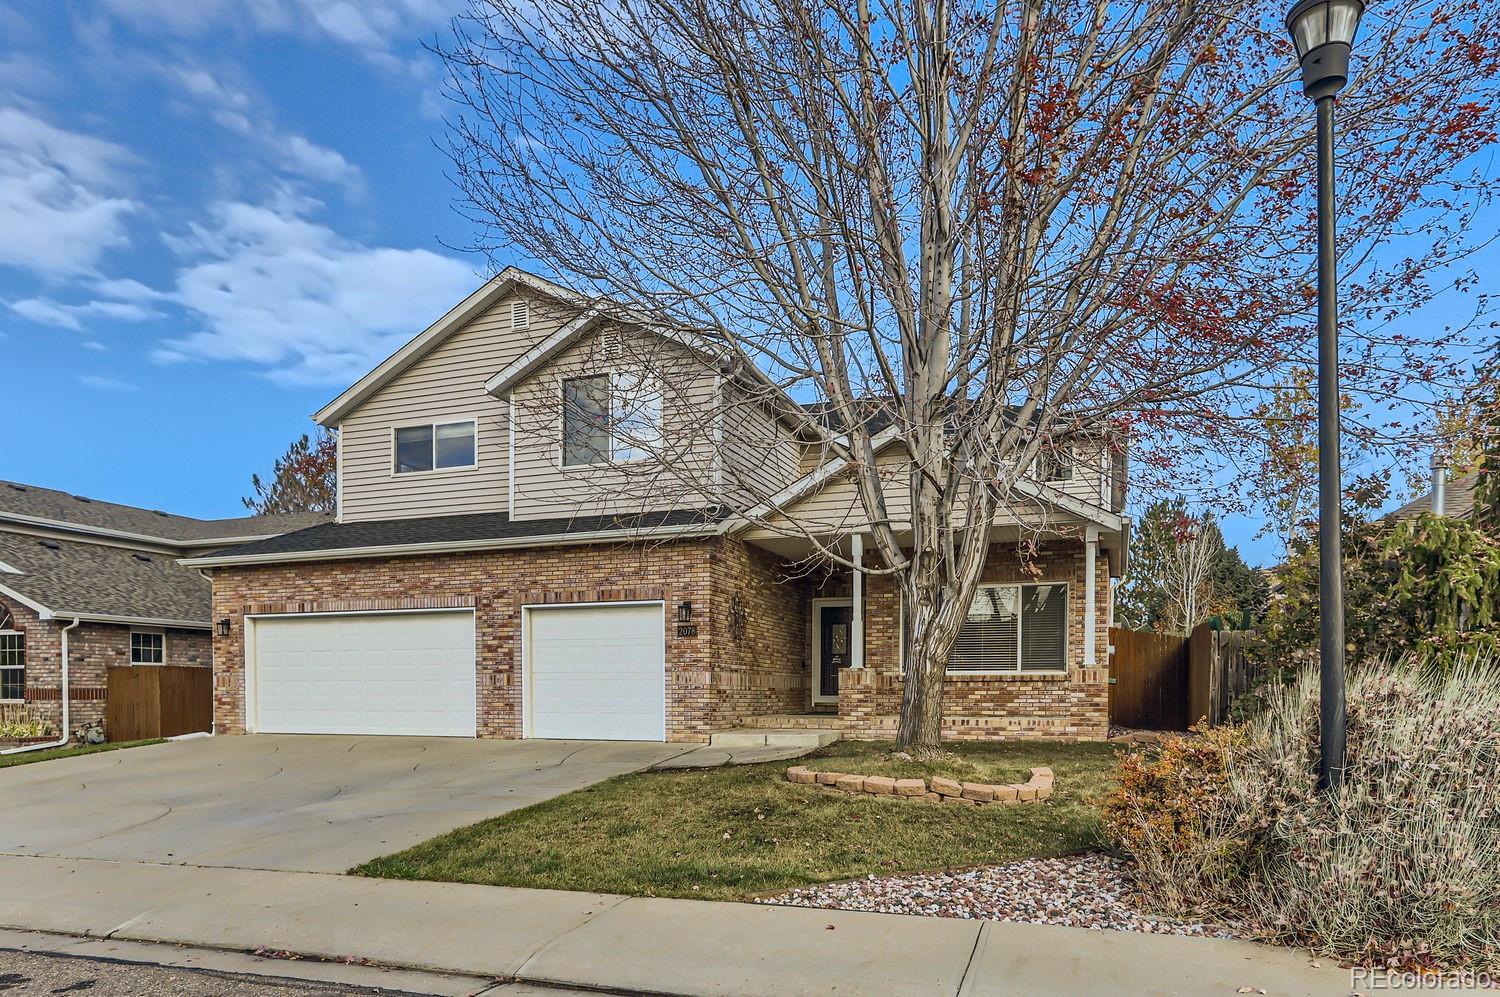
(101, 383)
(61, 200)
(273, 288)
(372, 26)
(45, 311)
(236, 111)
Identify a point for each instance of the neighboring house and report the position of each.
(1453, 497)
(101, 583)
(501, 566)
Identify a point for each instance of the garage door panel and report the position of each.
(409, 673)
(597, 672)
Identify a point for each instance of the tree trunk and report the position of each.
(921, 726)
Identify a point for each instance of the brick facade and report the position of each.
(713, 680)
(1072, 705)
(92, 649)
(750, 653)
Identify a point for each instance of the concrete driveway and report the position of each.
(309, 803)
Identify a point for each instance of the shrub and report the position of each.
(1401, 868)
(22, 722)
(1164, 791)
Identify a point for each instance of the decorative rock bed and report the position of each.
(934, 790)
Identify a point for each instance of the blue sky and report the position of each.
(214, 215)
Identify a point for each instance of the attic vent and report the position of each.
(142, 557)
(82, 498)
(520, 314)
(610, 346)
(159, 512)
(50, 544)
(19, 488)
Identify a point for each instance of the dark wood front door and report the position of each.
(833, 647)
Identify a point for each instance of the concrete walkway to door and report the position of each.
(307, 803)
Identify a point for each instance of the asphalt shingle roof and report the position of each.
(1458, 500)
(22, 499)
(75, 576)
(471, 527)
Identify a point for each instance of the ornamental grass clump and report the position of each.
(1401, 869)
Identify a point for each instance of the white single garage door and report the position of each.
(385, 673)
(596, 672)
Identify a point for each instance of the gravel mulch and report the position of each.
(1079, 891)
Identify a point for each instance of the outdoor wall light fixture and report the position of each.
(224, 627)
(1323, 31)
(685, 612)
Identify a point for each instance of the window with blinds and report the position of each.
(1013, 628)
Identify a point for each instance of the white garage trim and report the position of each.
(528, 686)
(251, 697)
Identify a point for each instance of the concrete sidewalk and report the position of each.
(609, 942)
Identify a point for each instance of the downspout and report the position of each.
(67, 736)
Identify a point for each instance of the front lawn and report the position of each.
(26, 757)
(726, 833)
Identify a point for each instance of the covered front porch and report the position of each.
(1031, 662)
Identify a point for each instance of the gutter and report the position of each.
(497, 543)
(67, 736)
(155, 540)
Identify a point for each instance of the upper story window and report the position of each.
(147, 648)
(1014, 628)
(12, 665)
(1055, 464)
(610, 417)
(436, 447)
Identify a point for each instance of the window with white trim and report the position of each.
(1055, 463)
(439, 446)
(12, 665)
(610, 417)
(1014, 628)
(147, 648)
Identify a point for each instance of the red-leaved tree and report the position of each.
(991, 225)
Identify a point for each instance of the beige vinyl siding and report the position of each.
(759, 454)
(446, 385)
(545, 489)
(836, 507)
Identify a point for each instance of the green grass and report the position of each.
(26, 758)
(726, 833)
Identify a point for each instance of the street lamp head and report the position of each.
(1324, 32)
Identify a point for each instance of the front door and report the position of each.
(833, 649)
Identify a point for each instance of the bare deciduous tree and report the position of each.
(987, 226)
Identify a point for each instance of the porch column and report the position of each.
(1090, 559)
(857, 616)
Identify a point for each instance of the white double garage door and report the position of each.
(589, 672)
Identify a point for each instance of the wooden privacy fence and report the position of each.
(1148, 680)
(1220, 671)
(158, 701)
(1170, 682)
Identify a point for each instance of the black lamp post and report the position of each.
(1323, 31)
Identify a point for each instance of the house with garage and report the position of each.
(508, 561)
(86, 585)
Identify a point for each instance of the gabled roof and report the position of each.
(47, 508)
(460, 314)
(58, 577)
